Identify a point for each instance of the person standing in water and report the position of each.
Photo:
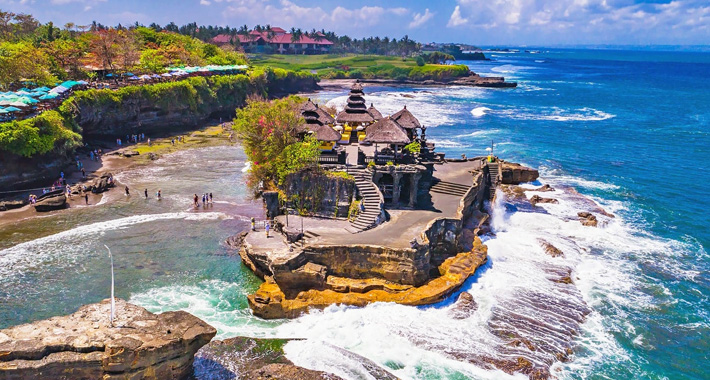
(159, 195)
(127, 192)
(146, 193)
(86, 198)
(195, 199)
(212, 202)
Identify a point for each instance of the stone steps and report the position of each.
(450, 188)
(370, 199)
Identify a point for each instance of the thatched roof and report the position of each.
(352, 116)
(405, 119)
(308, 106)
(374, 112)
(324, 116)
(324, 132)
(386, 131)
(357, 87)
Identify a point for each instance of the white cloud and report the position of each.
(420, 19)
(205, 2)
(286, 13)
(586, 21)
(456, 19)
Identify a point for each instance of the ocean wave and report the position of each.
(448, 143)
(486, 132)
(70, 243)
(480, 111)
(557, 114)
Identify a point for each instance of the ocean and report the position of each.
(626, 129)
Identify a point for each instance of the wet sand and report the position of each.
(113, 161)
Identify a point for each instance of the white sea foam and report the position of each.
(556, 114)
(443, 143)
(480, 111)
(247, 167)
(485, 132)
(71, 243)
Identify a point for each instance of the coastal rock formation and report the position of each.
(235, 241)
(515, 174)
(101, 184)
(10, 205)
(54, 202)
(464, 307)
(543, 188)
(535, 199)
(587, 219)
(549, 248)
(270, 301)
(83, 345)
(254, 358)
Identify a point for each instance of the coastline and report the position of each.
(116, 160)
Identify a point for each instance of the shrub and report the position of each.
(420, 61)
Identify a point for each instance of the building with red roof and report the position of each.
(276, 40)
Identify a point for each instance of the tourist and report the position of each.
(203, 200)
(195, 199)
(149, 143)
(146, 193)
(211, 199)
(127, 192)
(61, 175)
(91, 155)
(267, 227)
(86, 198)
(253, 224)
(83, 173)
(160, 196)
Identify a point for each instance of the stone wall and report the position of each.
(316, 193)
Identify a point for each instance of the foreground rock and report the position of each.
(550, 249)
(142, 345)
(538, 199)
(515, 174)
(250, 358)
(11, 205)
(101, 184)
(54, 202)
(464, 307)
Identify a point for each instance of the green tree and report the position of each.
(21, 61)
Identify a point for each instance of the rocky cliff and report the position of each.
(515, 174)
(83, 345)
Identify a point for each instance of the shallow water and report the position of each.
(628, 129)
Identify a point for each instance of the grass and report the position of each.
(209, 136)
(334, 66)
(319, 63)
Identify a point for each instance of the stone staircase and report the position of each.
(370, 197)
(450, 188)
(494, 171)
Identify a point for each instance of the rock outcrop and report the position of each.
(587, 219)
(101, 184)
(550, 249)
(543, 188)
(464, 307)
(535, 199)
(54, 202)
(10, 205)
(83, 345)
(271, 302)
(515, 174)
(254, 358)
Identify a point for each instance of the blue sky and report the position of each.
(484, 22)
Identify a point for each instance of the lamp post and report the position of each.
(113, 300)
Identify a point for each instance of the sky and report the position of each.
(481, 22)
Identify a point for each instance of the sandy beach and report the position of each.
(118, 159)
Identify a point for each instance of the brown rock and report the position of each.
(543, 188)
(55, 202)
(235, 241)
(130, 153)
(9, 205)
(464, 307)
(538, 199)
(587, 219)
(289, 372)
(515, 174)
(84, 346)
(550, 249)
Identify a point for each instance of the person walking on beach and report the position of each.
(83, 173)
(160, 196)
(146, 193)
(267, 227)
(127, 192)
(211, 202)
(195, 199)
(86, 198)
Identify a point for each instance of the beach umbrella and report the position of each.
(82, 82)
(134, 78)
(156, 75)
(49, 96)
(129, 74)
(145, 77)
(27, 100)
(58, 90)
(12, 109)
(3, 111)
(167, 75)
(43, 89)
(109, 75)
(18, 104)
(23, 93)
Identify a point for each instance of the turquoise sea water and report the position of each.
(626, 129)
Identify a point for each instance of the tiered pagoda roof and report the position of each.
(316, 122)
(355, 110)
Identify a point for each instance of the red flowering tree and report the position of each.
(268, 132)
